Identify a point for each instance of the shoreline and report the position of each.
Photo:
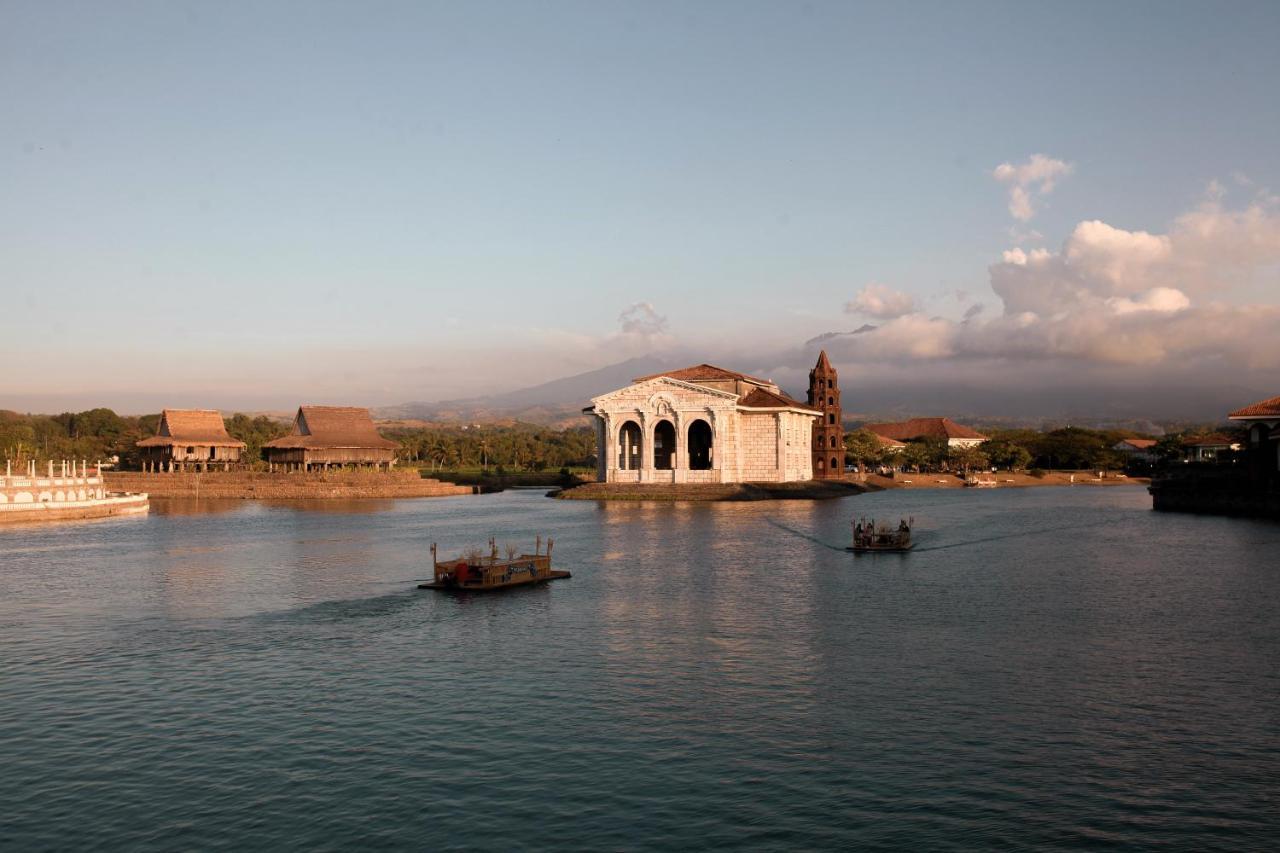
(822, 489)
(259, 485)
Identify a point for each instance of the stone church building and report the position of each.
(703, 424)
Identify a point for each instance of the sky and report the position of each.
(252, 206)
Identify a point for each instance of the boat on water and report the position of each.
(71, 492)
(478, 571)
(868, 537)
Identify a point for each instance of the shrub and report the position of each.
(1038, 473)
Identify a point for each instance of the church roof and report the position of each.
(333, 426)
(703, 372)
(824, 364)
(759, 398)
(1264, 409)
(191, 426)
(924, 428)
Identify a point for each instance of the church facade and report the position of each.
(702, 424)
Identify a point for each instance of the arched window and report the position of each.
(831, 418)
(835, 464)
(831, 401)
(629, 445)
(820, 465)
(700, 445)
(664, 446)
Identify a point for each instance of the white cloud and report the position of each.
(643, 320)
(1110, 296)
(1163, 300)
(880, 301)
(1028, 181)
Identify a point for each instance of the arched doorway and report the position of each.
(700, 445)
(629, 445)
(664, 446)
(835, 464)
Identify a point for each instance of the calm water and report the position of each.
(1052, 667)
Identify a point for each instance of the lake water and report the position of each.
(1057, 667)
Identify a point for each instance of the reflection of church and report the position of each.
(703, 424)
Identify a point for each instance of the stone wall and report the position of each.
(295, 486)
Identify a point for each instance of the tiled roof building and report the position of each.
(917, 428)
(702, 424)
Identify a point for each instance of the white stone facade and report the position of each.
(719, 436)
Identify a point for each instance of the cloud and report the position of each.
(881, 302)
(1110, 296)
(642, 320)
(1029, 181)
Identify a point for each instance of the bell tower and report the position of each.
(828, 431)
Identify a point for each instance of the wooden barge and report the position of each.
(480, 572)
(868, 538)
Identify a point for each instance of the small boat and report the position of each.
(870, 539)
(481, 572)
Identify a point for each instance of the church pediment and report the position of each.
(663, 388)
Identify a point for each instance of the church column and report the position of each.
(680, 464)
(606, 444)
(782, 446)
(646, 448)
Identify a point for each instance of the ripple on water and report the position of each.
(1052, 668)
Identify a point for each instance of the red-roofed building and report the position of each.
(1137, 449)
(1263, 420)
(918, 428)
(702, 424)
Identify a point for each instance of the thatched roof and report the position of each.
(924, 428)
(333, 426)
(195, 427)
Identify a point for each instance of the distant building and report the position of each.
(325, 436)
(918, 428)
(1206, 448)
(1137, 449)
(195, 437)
(828, 430)
(702, 424)
(1263, 421)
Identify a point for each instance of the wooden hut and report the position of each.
(195, 437)
(324, 436)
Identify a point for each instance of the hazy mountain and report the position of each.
(554, 402)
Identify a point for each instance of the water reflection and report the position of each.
(1052, 666)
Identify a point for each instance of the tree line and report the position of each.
(101, 434)
(1068, 448)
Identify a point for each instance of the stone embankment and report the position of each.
(811, 490)
(1215, 492)
(256, 485)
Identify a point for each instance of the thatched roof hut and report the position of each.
(196, 436)
(331, 435)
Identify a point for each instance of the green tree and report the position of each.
(863, 447)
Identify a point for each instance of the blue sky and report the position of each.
(255, 205)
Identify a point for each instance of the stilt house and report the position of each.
(195, 437)
(325, 436)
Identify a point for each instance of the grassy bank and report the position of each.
(492, 478)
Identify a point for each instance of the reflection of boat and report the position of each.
(480, 572)
(870, 538)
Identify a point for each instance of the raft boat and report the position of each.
(480, 572)
(870, 539)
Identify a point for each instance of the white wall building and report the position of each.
(702, 424)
